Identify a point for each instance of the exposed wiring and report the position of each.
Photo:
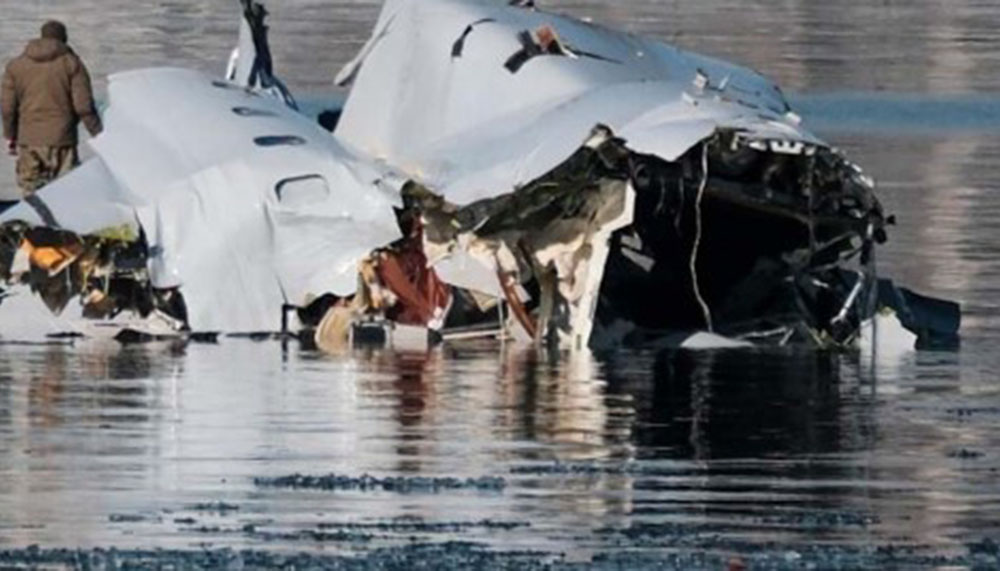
(706, 311)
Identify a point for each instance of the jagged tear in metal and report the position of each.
(496, 170)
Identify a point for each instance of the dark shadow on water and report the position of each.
(737, 404)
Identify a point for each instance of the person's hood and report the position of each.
(45, 49)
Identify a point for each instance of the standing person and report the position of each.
(46, 93)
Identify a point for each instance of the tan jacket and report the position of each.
(46, 93)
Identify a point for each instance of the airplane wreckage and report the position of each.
(496, 170)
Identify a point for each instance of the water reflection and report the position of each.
(754, 446)
(711, 405)
(559, 403)
(57, 394)
(75, 420)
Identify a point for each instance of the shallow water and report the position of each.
(730, 452)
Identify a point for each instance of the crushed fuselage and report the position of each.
(514, 173)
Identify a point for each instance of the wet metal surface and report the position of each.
(782, 458)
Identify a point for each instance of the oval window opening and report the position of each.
(302, 191)
(251, 112)
(279, 140)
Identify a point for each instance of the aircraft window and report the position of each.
(279, 140)
(302, 191)
(251, 112)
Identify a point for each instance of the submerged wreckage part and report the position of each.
(610, 239)
(742, 239)
(262, 209)
(743, 222)
(496, 170)
(105, 271)
(238, 227)
(553, 235)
